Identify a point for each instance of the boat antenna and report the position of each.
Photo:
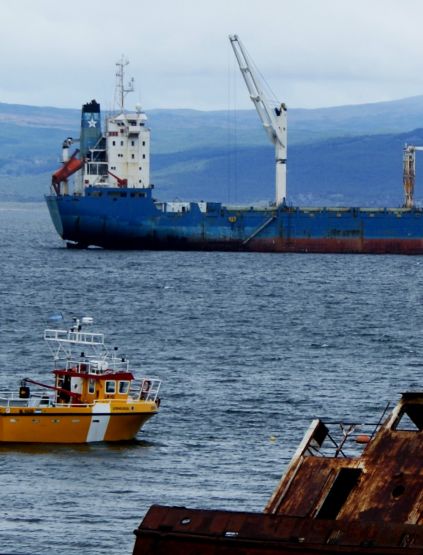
(121, 89)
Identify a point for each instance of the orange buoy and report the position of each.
(362, 439)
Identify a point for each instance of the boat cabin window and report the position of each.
(410, 418)
(91, 386)
(123, 386)
(110, 386)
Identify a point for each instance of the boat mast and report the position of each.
(272, 118)
(121, 90)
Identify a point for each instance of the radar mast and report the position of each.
(121, 89)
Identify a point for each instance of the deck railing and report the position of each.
(95, 365)
(146, 389)
(74, 337)
(36, 399)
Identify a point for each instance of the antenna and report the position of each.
(121, 90)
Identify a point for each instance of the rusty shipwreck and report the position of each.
(329, 501)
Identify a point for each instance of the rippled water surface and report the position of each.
(250, 348)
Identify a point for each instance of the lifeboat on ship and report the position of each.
(94, 395)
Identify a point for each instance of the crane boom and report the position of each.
(273, 119)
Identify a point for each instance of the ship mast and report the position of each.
(121, 89)
(409, 173)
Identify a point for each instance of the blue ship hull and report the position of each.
(130, 219)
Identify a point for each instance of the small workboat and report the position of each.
(94, 396)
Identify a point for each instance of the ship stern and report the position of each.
(53, 208)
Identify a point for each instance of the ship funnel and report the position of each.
(90, 127)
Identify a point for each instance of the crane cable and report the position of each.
(232, 129)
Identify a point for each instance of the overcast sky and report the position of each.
(312, 53)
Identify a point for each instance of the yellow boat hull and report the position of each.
(108, 421)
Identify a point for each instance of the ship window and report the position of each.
(114, 143)
(143, 143)
(121, 143)
(110, 386)
(133, 156)
(132, 143)
(345, 481)
(143, 156)
(410, 419)
(138, 194)
(91, 386)
(123, 387)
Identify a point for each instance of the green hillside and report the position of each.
(348, 154)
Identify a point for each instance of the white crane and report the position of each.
(409, 173)
(273, 119)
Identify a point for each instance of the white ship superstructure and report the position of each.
(119, 157)
(128, 149)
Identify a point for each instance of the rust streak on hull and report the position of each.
(338, 246)
(181, 531)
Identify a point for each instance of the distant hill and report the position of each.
(340, 155)
(364, 170)
(174, 130)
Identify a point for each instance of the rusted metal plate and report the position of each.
(176, 530)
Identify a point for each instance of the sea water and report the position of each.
(250, 347)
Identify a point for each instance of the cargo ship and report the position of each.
(93, 397)
(349, 489)
(102, 196)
